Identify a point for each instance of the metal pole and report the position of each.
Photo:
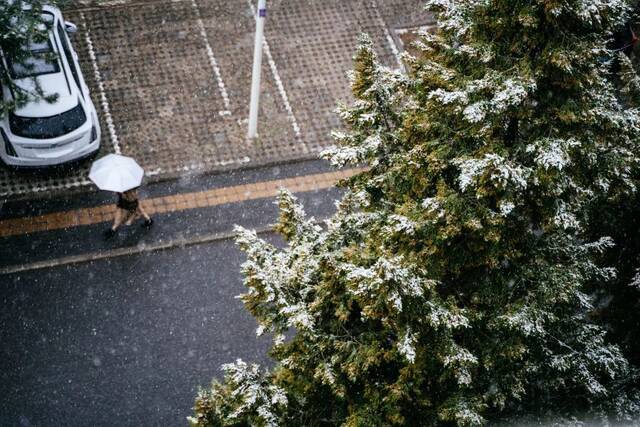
(257, 65)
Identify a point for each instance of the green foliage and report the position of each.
(618, 304)
(453, 285)
(245, 393)
(20, 23)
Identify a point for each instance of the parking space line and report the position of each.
(111, 3)
(196, 166)
(176, 202)
(91, 5)
(212, 61)
(104, 102)
(388, 36)
(280, 86)
(283, 94)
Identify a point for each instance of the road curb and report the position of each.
(130, 250)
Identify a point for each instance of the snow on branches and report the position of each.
(246, 396)
(373, 116)
(498, 170)
(553, 153)
(452, 283)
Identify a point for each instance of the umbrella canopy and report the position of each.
(117, 173)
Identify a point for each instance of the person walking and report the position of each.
(128, 209)
(122, 175)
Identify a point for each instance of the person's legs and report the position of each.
(119, 217)
(147, 219)
(132, 216)
(143, 213)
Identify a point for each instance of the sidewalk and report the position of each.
(50, 232)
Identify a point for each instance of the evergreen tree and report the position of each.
(618, 303)
(452, 285)
(20, 24)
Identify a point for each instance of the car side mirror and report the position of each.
(70, 27)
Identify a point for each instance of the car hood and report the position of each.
(41, 108)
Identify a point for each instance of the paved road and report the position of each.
(127, 340)
(123, 341)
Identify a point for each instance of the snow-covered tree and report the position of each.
(618, 303)
(21, 24)
(452, 285)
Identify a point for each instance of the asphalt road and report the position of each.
(122, 341)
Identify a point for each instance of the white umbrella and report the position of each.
(117, 173)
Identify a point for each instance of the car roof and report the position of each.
(60, 83)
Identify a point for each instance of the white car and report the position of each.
(42, 133)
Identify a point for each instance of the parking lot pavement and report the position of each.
(171, 80)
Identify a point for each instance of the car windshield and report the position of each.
(48, 127)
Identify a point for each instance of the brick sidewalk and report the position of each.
(175, 203)
(176, 78)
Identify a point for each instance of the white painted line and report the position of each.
(417, 29)
(388, 36)
(241, 161)
(280, 86)
(153, 172)
(40, 189)
(283, 93)
(197, 167)
(212, 61)
(413, 30)
(113, 2)
(104, 102)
